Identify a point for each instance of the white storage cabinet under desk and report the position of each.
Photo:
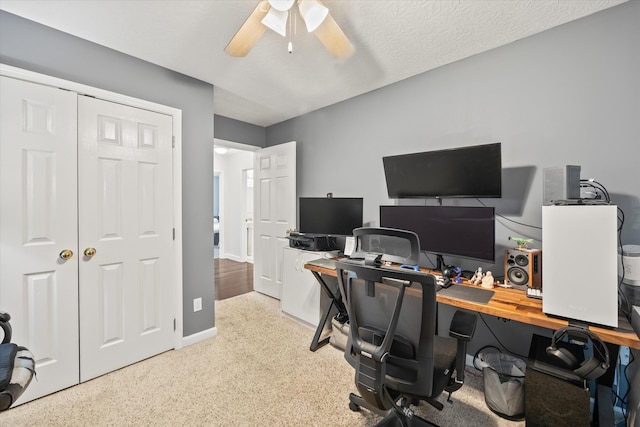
(302, 296)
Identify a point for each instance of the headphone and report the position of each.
(589, 369)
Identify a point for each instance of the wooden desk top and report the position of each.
(515, 305)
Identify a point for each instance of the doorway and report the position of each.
(233, 218)
(274, 171)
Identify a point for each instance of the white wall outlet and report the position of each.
(197, 304)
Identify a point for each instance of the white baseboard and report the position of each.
(232, 257)
(199, 336)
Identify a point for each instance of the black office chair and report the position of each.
(17, 366)
(393, 345)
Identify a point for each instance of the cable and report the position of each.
(429, 259)
(624, 303)
(497, 339)
(623, 399)
(626, 375)
(599, 188)
(519, 223)
(621, 219)
(509, 219)
(606, 193)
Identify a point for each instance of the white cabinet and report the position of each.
(302, 296)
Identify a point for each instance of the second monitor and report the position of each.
(459, 231)
(330, 215)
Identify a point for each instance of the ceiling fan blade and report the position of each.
(334, 39)
(250, 32)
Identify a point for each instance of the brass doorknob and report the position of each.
(66, 254)
(89, 252)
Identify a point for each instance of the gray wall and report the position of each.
(570, 95)
(241, 132)
(31, 46)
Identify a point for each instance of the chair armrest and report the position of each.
(463, 325)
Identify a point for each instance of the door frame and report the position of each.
(245, 214)
(221, 225)
(176, 114)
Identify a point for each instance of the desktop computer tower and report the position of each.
(579, 253)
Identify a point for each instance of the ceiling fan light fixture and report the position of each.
(276, 20)
(281, 5)
(313, 13)
(265, 16)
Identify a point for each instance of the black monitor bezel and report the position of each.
(412, 223)
(356, 203)
(461, 172)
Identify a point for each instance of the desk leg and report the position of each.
(335, 298)
(603, 409)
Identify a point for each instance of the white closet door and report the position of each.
(125, 216)
(38, 142)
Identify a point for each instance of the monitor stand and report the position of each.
(440, 265)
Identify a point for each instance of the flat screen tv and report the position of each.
(333, 216)
(474, 171)
(460, 231)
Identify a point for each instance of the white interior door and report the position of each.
(275, 213)
(125, 217)
(38, 142)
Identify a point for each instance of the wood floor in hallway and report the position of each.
(232, 278)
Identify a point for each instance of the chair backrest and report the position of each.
(398, 246)
(392, 316)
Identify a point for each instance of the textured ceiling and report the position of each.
(393, 40)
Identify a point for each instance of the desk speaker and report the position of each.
(523, 267)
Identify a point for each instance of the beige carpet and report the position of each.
(258, 371)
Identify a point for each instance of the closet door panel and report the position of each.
(125, 217)
(38, 223)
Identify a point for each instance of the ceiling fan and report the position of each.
(274, 14)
